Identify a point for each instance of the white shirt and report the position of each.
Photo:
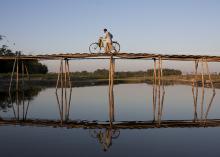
(108, 37)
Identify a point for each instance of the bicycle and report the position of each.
(98, 47)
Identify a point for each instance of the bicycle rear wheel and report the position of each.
(94, 48)
(115, 133)
(116, 47)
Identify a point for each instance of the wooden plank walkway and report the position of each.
(115, 125)
(120, 55)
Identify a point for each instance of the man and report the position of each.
(108, 38)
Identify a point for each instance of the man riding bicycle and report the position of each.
(108, 39)
(105, 43)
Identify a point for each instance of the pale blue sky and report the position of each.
(151, 26)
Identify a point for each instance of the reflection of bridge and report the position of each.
(64, 81)
(106, 131)
(115, 125)
(112, 127)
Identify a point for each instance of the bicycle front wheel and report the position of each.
(116, 47)
(94, 48)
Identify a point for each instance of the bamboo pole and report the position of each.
(17, 88)
(23, 105)
(203, 92)
(213, 89)
(159, 82)
(10, 97)
(65, 90)
(210, 78)
(12, 74)
(154, 91)
(197, 89)
(12, 104)
(26, 69)
(58, 76)
(61, 74)
(113, 105)
(195, 97)
(163, 89)
(22, 72)
(59, 106)
(17, 77)
(22, 78)
(17, 103)
(70, 86)
(109, 73)
(111, 94)
(28, 104)
(209, 107)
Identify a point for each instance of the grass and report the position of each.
(53, 76)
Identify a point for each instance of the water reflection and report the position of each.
(158, 93)
(105, 136)
(103, 132)
(205, 84)
(64, 97)
(18, 101)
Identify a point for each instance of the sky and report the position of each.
(146, 26)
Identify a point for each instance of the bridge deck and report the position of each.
(116, 125)
(120, 55)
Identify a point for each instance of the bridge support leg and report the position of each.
(163, 89)
(154, 89)
(205, 71)
(213, 90)
(203, 92)
(111, 86)
(17, 92)
(64, 81)
(12, 74)
(195, 93)
(158, 95)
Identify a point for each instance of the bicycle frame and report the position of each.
(101, 42)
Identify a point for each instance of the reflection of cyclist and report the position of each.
(105, 138)
(108, 38)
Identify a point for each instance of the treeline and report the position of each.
(166, 72)
(33, 66)
(104, 73)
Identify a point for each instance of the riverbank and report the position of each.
(50, 80)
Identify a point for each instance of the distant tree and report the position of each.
(166, 72)
(101, 72)
(33, 66)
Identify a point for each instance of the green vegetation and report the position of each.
(104, 74)
(166, 72)
(27, 94)
(7, 65)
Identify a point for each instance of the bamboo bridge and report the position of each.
(64, 87)
(112, 125)
(120, 55)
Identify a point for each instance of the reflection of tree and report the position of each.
(7, 100)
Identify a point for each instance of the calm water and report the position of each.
(132, 102)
